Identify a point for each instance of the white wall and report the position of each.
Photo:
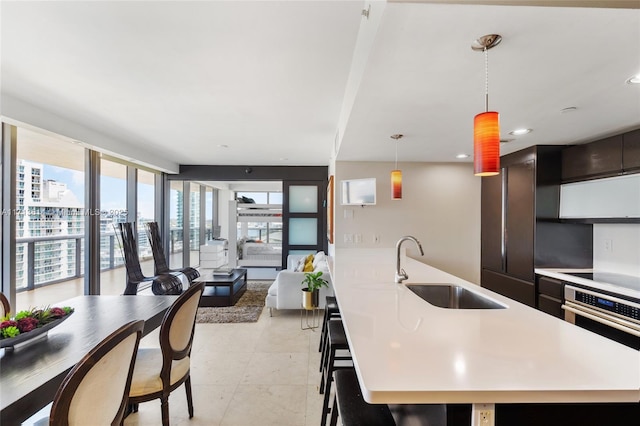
(616, 248)
(440, 207)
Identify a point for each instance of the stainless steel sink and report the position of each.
(452, 297)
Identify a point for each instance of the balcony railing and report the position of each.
(67, 260)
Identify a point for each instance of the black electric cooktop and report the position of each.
(620, 280)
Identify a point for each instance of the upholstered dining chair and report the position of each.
(5, 306)
(159, 371)
(95, 391)
(159, 260)
(163, 284)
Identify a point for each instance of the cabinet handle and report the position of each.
(601, 320)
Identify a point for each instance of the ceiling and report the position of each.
(300, 83)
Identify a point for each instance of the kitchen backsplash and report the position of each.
(616, 248)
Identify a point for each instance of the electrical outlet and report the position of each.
(608, 245)
(348, 238)
(358, 238)
(483, 414)
(376, 238)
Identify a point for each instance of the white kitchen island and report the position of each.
(407, 351)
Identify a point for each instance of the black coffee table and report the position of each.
(223, 290)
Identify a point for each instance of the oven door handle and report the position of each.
(601, 320)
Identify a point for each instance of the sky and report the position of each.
(113, 190)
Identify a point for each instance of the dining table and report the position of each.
(31, 374)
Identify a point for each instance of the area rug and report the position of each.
(247, 309)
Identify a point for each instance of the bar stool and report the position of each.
(336, 340)
(352, 408)
(331, 310)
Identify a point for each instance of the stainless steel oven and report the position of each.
(611, 316)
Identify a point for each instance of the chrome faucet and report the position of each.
(401, 275)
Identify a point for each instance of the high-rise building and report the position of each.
(46, 212)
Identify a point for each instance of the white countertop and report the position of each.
(408, 351)
(561, 274)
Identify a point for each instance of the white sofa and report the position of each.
(286, 290)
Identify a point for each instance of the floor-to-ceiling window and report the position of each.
(176, 227)
(194, 223)
(266, 231)
(49, 214)
(113, 210)
(50, 210)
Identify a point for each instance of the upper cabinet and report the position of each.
(631, 151)
(612, 156)
(595, 159)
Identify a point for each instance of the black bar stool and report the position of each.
(331, 310)
(336, 341)
(352, 408)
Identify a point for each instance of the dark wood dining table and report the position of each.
(30, 375)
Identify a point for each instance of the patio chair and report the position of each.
(159, 371)
(162, 284)
(159, 260)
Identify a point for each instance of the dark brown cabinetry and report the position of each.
(595, 159)
(631, 151)
(520, 227)
(612, 156)
(550, 296)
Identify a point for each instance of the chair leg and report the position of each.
(187, 386)
(325, 403)
(334, 412)
(164, 404)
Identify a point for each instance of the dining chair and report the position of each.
(159, 371)
(161, 284)
(95, 391)
(5, 306)
(159, 260)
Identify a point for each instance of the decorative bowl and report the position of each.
(33, 335)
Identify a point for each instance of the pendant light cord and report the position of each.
(486, 79)
(396, 154)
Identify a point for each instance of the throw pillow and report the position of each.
(308, 267)
(319, 257)
(300, 265)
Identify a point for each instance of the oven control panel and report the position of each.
(602, 302)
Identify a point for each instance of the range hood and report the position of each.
(603, 200)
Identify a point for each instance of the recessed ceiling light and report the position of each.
(223, 146)
(283, 159)
(462, 156)
(506, 140)
(568, 109)
(634, 80)
(520, 132)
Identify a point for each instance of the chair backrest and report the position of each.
(96, 390)
(178, 324)
(5, 307)
(159, 260)
(127, 239)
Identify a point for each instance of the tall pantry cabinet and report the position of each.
(520, 226)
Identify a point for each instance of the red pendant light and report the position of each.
(396, 175)
(396, 184)
(486, 144)
(486, 125)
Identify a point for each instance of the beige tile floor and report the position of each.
(249, 374)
